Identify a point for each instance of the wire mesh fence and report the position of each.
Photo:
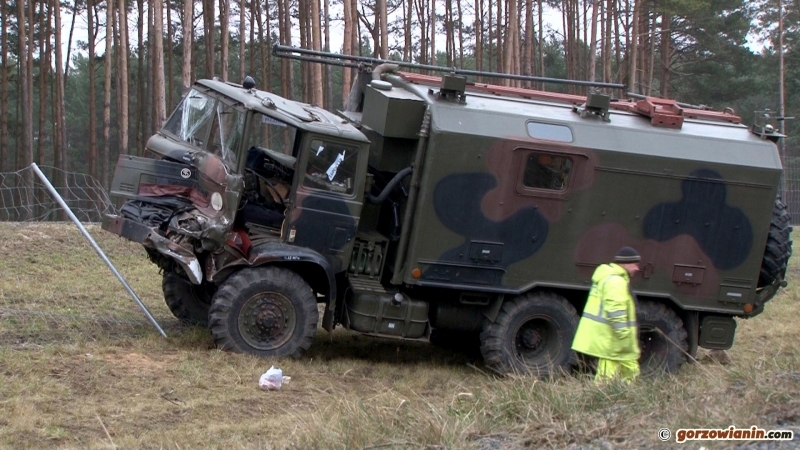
(24, 198)
(29, 211)
(791, 183)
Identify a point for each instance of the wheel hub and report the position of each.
(531, 338)
(267, 320)
(535, 340)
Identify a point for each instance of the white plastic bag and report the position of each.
(271, 380)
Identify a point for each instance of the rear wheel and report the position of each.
(662, 339)
(532, 334)
(188, 302)
(779, 246)
(265, 311)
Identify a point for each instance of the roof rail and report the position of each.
(662, 112)
(338, 59)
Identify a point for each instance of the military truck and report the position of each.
(437, 208)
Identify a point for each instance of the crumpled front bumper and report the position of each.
(151, 238)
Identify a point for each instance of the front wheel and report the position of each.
(532, 334)
(662, 339)
(188, 302)
(264, 311)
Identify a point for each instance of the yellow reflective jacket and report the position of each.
(607, 328)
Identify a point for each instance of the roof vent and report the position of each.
(453, 88)
(596, 104)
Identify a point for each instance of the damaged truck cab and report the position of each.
(240, 178)
(457, 212)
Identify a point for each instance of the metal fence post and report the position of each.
(96, 247)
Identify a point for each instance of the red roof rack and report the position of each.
(662, 112)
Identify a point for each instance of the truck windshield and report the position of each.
(271, 134)
(208, 124)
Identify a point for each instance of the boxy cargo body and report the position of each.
(430, 209)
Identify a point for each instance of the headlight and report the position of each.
(216, 201)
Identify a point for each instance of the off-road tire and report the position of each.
(532, 334)
(779, 246)
(662, 339)
(188, 302)
(264, 311)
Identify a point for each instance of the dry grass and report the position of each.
(82, 368)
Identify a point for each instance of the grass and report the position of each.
(82, 368)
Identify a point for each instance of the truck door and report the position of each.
(326, 203)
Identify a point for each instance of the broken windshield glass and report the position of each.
(208, 124)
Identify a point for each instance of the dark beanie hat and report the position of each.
(627, 255)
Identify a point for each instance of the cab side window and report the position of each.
(546, 171)
(331, 166)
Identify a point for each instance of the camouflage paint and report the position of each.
(722, 231)
(630, 183)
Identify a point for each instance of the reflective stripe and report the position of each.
(614, 325)
(619, 313)
(619, 325)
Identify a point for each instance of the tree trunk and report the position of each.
(60, 138)
(617, 43)
(479, 36)
(408, 8)
(69, 43)
(541, 42)
(448, 33)
(327, 48)
(92, 94)
(432, 35)
(666, 39)
(499, 46)
(529, 41)
(25, 152)
(593, 43)
(188, 41)
(107, 92)
(123, 74)
(45, 31)
(3, 91)
(242, 40)
(460, 34)
(490, 37)
(224, 22)
(347, 49)
(651, 61)
(150, 91)
(141, 99)
(510, 38)
(287, 68)
(609, 14)
(256, 12)
(422, 12)
(384, 51)
(316, 43)
(252, 54)
(168, 77)
(208, 36)
(566, 24)
(158, 69)
(633, 48)
(305, 85)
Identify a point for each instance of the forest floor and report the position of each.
(82, 368)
